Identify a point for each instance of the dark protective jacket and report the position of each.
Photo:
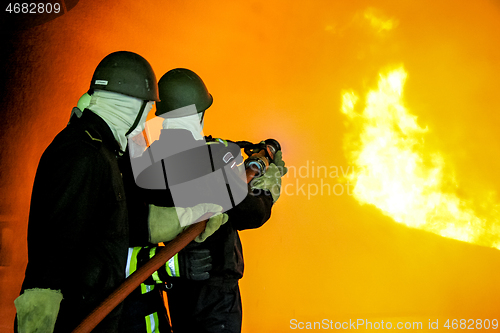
(78, 232)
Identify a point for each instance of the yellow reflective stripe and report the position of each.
(173, 266)
(144, 288)
(149, 325)
(156, 277)
(169, 271)
(152, 252)
(224, 142)
(152, 323)
(132, 262)
(132, 267)
(94, 139)
(176, 260)
(157, 321)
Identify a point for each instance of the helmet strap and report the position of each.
(202, 118)
(138, 118)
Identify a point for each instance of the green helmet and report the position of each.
(126, 73)
(181, 87)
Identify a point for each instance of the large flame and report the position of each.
(397, 175)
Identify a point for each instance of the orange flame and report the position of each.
(397, 175)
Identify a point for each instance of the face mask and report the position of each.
(119, 112)
(189, 123)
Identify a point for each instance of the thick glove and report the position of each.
(269, 181)
(37, 310)
(190, 263)
(212, 226)
(165, 223)
(278, 161)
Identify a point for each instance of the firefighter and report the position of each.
(78, 229)
(211, 304)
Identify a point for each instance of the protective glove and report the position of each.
(165, 223)
(37, 310)
(190, 263)
(269, 181)
(212, 226)
(278, 161)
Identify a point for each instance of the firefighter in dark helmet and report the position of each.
(78, 231)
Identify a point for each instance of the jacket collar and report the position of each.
(97, 126)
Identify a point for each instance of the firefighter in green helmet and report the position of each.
(211, 304)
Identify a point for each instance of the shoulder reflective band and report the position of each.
(223, 141)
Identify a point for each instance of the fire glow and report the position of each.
(396, 173)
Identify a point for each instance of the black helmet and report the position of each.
(181, 87)
(126, 73)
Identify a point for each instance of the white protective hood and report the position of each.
(190, 123)
(119, 112)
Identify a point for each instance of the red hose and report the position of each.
(136, 278)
